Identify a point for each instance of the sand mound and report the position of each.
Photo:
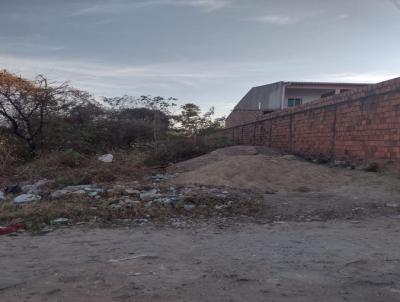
(219, 155)
(245, 167)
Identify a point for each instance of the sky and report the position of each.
(210, 52)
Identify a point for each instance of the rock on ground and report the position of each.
(106, 158)
(26, 198)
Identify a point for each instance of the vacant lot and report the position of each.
(250, 225)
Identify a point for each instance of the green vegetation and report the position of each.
(39, 118)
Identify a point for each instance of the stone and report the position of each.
(189, 207)
(60, 220)
(132, 192)
(115, 206)
(89, 190)
(169, 200)
(59, 193)
(34, 188)
(149, 195)
(106, 158)
(25, 198)
(159, 177)
(92, 194)
(132, 202)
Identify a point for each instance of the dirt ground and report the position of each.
(315, 261)
(321, 234)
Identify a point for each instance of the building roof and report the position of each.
(313, 84)
(269, 96)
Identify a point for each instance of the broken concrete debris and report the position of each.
(189, 206)
(89, 190)
(149, 195)
(26, 198)
(169, 200)
(35, 188)
(132, 192)
(106, 158)
(60, 220)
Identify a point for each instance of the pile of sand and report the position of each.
(263, 170)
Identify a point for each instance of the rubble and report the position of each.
(132, 192)
(60, 220)
(34, 188)
(169, 200)
(189, 207)
(149, 195)
(26, 198)
(106, 158)
(89, 190)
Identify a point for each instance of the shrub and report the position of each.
(181, 149)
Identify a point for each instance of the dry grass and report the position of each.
(84, 209)
(71, 168)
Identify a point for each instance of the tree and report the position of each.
(24, 105)
(190, 119)
(193, 123)
(159, 107)
(27, 107)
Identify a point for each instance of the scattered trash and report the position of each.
(60, 220)
(25, 198)
(106, 158)
(12, 228)
(2, 196)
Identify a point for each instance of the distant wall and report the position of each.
(360, 127)
(239, 117)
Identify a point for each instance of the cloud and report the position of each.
(106, 79)
(396, 3)
(343, 16)
(120, 6)
(286, 19)
(28, 43)
(276, 19)
(366, 77)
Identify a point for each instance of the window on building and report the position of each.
(294, 102)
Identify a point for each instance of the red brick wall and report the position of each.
(240, 117)
(359, 127)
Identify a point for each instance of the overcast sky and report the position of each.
(210, 52)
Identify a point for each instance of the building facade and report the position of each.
(277, 96)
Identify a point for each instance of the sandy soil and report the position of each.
(331, 261)
(265, 170)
